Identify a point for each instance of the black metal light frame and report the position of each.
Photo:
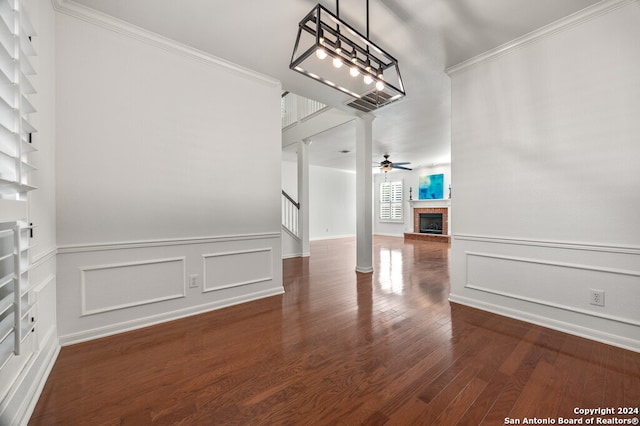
(341, 41)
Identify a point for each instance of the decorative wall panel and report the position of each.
(109, 287)
(237, 268)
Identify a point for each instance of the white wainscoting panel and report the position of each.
(556, 284)
(237, 268)
(548, 282)
(110, 287)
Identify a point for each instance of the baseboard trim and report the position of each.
(96, 333)
(332, 237)
(51, 358)
(554, 305)
(562, 326)
(291, 255)
(25, 406)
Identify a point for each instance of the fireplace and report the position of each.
(435, 222)
(430, 223)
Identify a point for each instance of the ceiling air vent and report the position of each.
(372, 101)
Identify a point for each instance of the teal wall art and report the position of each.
(431, 187)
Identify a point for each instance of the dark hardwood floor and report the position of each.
(341, 348)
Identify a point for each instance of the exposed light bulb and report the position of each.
(379, 83)
(321, 53)
(337, 62)
(354, 71)
(367, 78)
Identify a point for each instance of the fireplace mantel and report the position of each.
(442, 202)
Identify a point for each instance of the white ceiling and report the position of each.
(426, 36)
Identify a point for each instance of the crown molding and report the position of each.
(84, 13)
(577, 18)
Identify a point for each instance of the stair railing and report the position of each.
(290, 210)
(294, 108)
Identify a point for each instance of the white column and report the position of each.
(303, 195)
(364, 192)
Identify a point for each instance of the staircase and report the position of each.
(290, 211)
(291, 241)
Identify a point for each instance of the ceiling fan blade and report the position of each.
(402, 162)
(395, 166)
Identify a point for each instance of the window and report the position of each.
(391, 201)
(16, 69)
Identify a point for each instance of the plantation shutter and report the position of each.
(16, 131)
(396, 201)
(391, 201)
(385, 199)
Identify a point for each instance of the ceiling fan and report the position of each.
(387, 166)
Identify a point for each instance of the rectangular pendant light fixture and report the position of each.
(332, 52)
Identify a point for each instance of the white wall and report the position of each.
(410, 180)
(329, 184)
(160, 179)
(290, 178)
(546, 178)
(331, 200)
(31, 368)
(332, 203)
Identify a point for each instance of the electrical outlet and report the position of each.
(596, 297)
(193, 281)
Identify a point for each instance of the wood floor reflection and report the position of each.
(340, 348)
